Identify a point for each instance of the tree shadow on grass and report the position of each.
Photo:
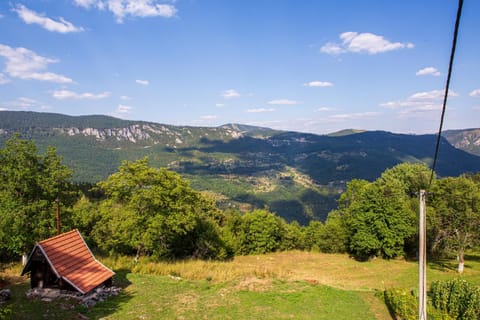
(443, 264)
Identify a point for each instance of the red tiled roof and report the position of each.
(72, 260)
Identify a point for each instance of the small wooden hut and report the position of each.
(66, 262)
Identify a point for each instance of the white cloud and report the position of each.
(475, 93)
(419, 103)
(209, 117)
(87, 3)
(428, 71)
(363, 43)
(283, 102)
(66, 94)
(260, 110)
(3, 80)
(125, 98)
(26, 64)
(143, 82)
(219, 105)
(353, 116)
(320, 84)
(61, 26)
(123, 109)
(122, 9)
(332, 49)
(25, 103)
(324, 109)
(432, 95)
(230, 94)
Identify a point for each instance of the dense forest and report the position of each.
(145, 210)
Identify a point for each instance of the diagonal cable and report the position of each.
(450, 65)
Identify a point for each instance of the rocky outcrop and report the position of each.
(88, 300)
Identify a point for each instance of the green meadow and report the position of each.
(286, 285)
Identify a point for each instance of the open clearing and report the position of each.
(287, 285)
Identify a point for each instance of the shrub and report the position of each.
(456, 299)
(402, 303)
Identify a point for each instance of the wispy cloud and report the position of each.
(428, 71)
(3, 79)
(353, 116)
(363, 43)
(475, 93)
(230, 94)
(143, 82)
(32, 17)
(219, 105)
(123, 108)
(26, 64)
(122, 9)
(122, 111)
(125, 98)
(209, 117)
(260, 110)
(67, 94)
(324, 109)
(283, 102)
(318, 84)
(25, 103)
(419, 103)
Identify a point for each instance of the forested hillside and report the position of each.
(299, 176)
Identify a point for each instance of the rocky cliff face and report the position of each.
(152, 133)
(132, 133)
(467, 140)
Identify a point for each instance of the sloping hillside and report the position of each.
(467, 140)
(297, 175)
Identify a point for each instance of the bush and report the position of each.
(5, 311)
(402, 303)
(456, 299)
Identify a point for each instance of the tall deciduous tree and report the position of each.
(154, 210)
(457, 209)
(29, 185)
(378, 216)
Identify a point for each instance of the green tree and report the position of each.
(259, 232)
(457, 208)
(378, 216)
(293, 236)
(154, 210)
(411, 176)
(29, 185)
(313, 235)
(333, 239)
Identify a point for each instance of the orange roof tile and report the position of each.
(72, 260)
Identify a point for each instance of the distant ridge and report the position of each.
(345, 132)
(297, 175)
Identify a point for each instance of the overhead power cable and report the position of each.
(445, 97)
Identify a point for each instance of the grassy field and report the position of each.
(289, 285)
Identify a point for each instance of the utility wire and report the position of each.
(450, 65)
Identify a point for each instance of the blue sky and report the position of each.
(309, 66)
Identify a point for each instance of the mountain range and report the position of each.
(297, 175)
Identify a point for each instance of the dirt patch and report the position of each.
(254, 284)
(187, 301)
